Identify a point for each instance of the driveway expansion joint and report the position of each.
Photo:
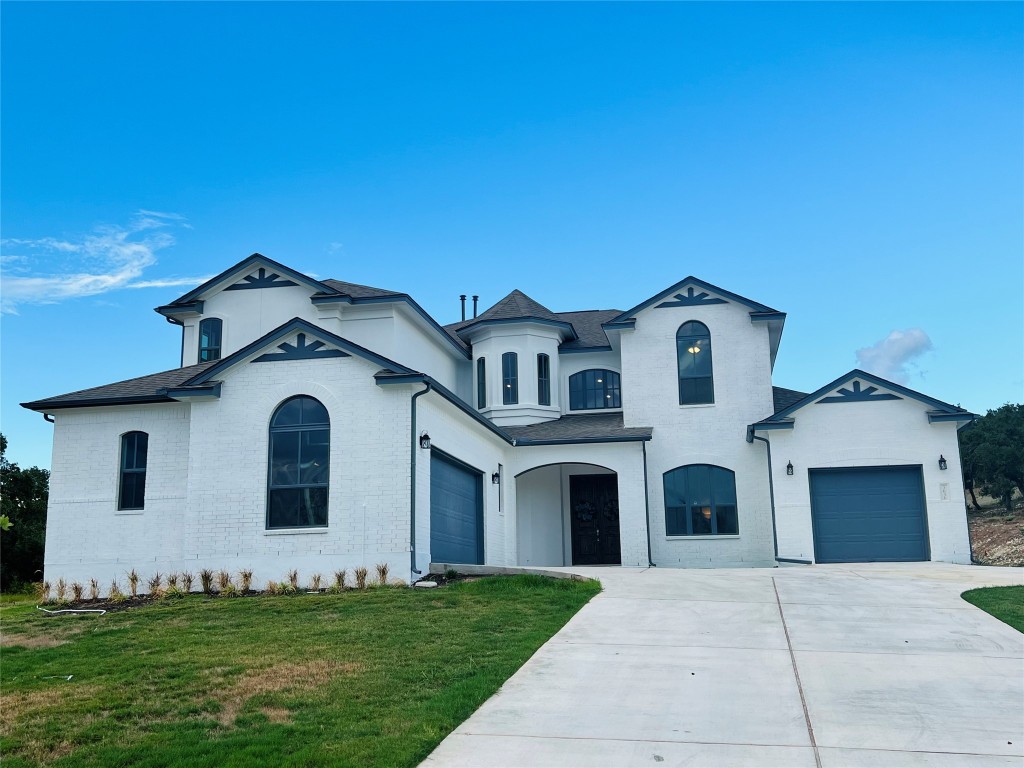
(796, 673)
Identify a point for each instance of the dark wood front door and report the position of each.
(594, 509)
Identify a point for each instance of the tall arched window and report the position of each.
(481, 383)
(300, 448)
(510, 378)
(696, 380)
(132, 484)
(595, 388)
(210, 331)
(700, 500)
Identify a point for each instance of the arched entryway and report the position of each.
(568, 514)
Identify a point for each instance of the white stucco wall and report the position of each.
(867, 434)
(703, 434)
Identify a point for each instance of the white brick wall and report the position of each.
(703, 434)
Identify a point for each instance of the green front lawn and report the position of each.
(365, 678)
(1005, 603)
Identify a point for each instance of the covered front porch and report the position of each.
(582, 499)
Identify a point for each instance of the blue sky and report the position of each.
(859, 166)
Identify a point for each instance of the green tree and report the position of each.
(993, 453)
(23, 497)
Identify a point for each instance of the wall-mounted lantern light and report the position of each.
(789, 468)
(425, 441)
(496, 478)
(942, 462)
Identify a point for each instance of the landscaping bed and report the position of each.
(373, 677)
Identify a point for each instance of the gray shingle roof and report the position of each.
(357, 291)
(782, 398)
(514, 306)
(141, 389)
(588, 327)
(594, 427)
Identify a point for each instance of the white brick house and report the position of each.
(322, 425)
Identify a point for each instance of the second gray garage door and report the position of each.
(456, 511)
(868, 514)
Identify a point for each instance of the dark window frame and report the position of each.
(543, 379)
(595, 389)
(510, 378)
(481, 383)
(695, 389)
(320, 488)
(132, 471)
(721, 501)
(210, 351)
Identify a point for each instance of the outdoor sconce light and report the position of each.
(942, 462)
(496, 478)
(425, 441)
(789, 468)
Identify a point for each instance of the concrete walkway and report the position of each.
(866, 665)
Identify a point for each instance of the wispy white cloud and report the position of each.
(108, 258)
(892, 357)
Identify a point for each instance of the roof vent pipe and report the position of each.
(475, 299)
(462, 300)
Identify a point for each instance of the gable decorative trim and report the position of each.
(261, 280)
(691, 300)
(858, 395)
(300, 350)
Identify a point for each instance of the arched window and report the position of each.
(481, 383)
(132, 486)
(300, 448)
(595, 388)
(696, 380)
(543, 379)
(510, 378)
(209, 339)
(700, 500)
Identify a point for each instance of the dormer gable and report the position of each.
(694, 292)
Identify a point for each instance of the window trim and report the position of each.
(605, 390)
(481, 383)
(271, 486)
(543, 379)
(688, 534)
(510, 378)
(219, 324)
(123, 470)
(692, 337)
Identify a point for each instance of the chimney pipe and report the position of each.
(475, 299)
(462, 300)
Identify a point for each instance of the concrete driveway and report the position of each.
(866, 665)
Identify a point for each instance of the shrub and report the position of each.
(339, 579)
(451, 573)
(272, 588)
(173, 592)
(155, 582)
(61, 590)
(76, 592)
(94, 589)
(293, 580)
(382, 574)
(314, 582)
(133, 582)
(223, 581)
(245, 579)
(186, 581)
(228, 589)
(116, 595)
(43, 589)
(206, 579)
(172, 582)
(360, 577)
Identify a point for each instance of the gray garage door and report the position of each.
(456, 511)
(868, 514)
